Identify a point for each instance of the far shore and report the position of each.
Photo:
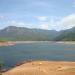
(7, 43)
(10, 43)
(66, 42)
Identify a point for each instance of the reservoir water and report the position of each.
(11, 55)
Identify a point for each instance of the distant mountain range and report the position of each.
(26, 34)
(14, 33)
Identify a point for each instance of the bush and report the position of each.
(1, 65)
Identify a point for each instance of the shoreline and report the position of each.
(66, 42)
(7, 43)
(62, 42)
(11, 43)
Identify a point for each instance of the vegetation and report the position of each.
(69, 36)
(13, 33)
(24, 34)
(1, 66)
(2, 40)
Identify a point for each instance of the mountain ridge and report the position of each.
(13, 33)
(66, 35)
(27, 34)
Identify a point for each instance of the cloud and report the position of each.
(48, 23)
(15, 23)
(44, 25)
(66, 22)
(41, 18)
(58, 23)
(20, 24)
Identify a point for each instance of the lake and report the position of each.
(11, 55)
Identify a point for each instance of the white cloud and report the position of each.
(59, 24)
(66, 22)
(49, 23)
(41, 18)
(44, 25)
(15, 23)
(20, 24)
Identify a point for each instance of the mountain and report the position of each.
(66, 35)
(14, 33)
(26, 34)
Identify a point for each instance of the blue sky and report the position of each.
(44, 14)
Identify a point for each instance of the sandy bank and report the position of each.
(66, 42)
(62, 42)
(9, 43)
(43, 68)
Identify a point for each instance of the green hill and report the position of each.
(25, 34)
(66, 35)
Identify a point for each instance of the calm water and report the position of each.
(37, 51)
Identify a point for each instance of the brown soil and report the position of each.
(43, 68)
(7, 43)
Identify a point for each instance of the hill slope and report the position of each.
(26, 34)
(14, 33)
(66, 35)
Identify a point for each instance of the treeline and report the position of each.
(69, 36)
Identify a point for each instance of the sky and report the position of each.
(43, 14)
